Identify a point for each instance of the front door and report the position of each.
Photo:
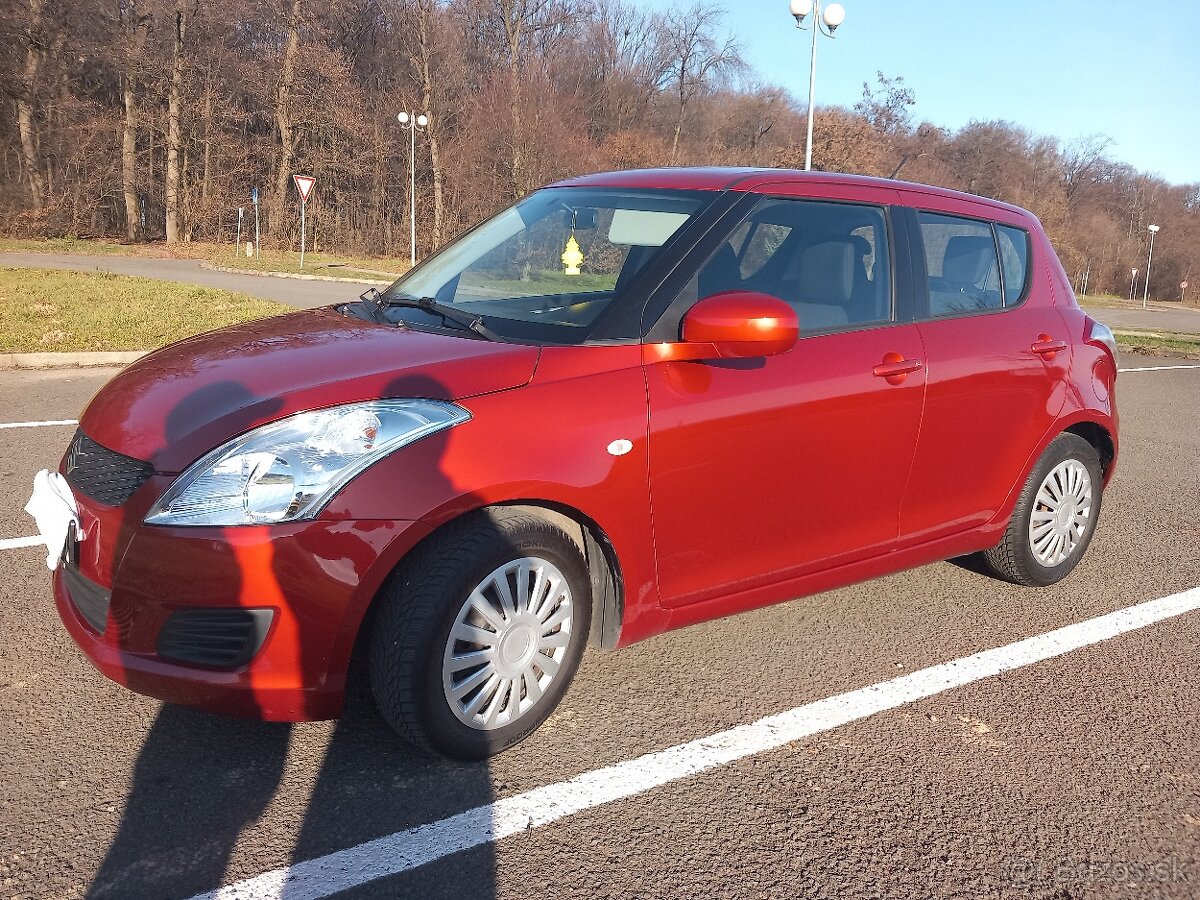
(768, 468)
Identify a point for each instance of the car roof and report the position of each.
(733, 178)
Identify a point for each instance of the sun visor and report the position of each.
(643, 227)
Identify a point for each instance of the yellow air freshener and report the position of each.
(572, 257)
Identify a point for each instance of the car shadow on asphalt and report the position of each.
(197, 783)
(204, 784)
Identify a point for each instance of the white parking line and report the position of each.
(405, 850)
(13, 543)
(1158, 368)
(38, 424)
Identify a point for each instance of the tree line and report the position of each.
(151, 119)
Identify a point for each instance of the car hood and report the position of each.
(175, 404)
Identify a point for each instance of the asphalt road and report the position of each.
(1075, 777)
(292, 291)
(1180, 320)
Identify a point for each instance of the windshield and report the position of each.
(548, 268)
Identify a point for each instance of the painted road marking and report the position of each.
(38, 424)
(13, 543)
(405, 850)
(1157, 368)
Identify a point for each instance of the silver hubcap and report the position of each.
(1061, 512)
(507, 643)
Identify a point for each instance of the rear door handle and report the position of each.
(895, 367)
(1046, 346)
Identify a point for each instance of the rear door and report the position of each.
(996, 383)
(763, 469)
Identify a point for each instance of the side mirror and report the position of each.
(736, 324)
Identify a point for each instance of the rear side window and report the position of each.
(1014, 260)
(961, 263)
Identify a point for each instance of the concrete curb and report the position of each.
(68, 360)
(204, 264)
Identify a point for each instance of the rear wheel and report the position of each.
(1055, 516)
(480, 632)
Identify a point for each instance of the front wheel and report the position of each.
(1055, 516)
(480, 632)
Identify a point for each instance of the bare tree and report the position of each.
(1085, 165)
(174, 102)
(887, 106)
(135, 25)
(34, 38)
(630, 66)
(283, 116)
(697, 56)
(427, 22)
(524, 23)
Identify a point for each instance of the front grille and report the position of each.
(214, 638)
(89, 598)
(103, 474)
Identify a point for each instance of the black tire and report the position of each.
(419, 605)
(1013, 559)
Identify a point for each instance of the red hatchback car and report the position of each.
(632, 402)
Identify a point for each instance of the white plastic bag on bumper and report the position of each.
(54, 509)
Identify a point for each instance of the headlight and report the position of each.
(290, 469)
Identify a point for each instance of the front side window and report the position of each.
(961, 264)
(829, 261)
(548, 268)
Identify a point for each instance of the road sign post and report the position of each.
(1182, 291)
(237, 245)
(304, 184)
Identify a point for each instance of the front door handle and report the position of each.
(895, 368)
(1045, 346)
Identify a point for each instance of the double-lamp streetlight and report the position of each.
(825, 21)
(414, 123)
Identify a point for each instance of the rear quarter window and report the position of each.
(1014, 261)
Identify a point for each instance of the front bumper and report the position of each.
(311, 581)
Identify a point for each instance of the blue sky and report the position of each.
(1066, 68)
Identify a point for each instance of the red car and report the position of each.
(632, 402)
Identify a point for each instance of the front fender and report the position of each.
(550, 442)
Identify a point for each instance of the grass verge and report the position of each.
(1109, 301)
(1168, 344)
(48, 311)
(63, 245)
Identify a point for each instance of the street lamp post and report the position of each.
(1132, 283)
(826, 22)
(1149, 259)
(414, 122)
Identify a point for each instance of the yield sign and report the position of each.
(304, 184)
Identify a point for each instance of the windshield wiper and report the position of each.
(447, 313)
